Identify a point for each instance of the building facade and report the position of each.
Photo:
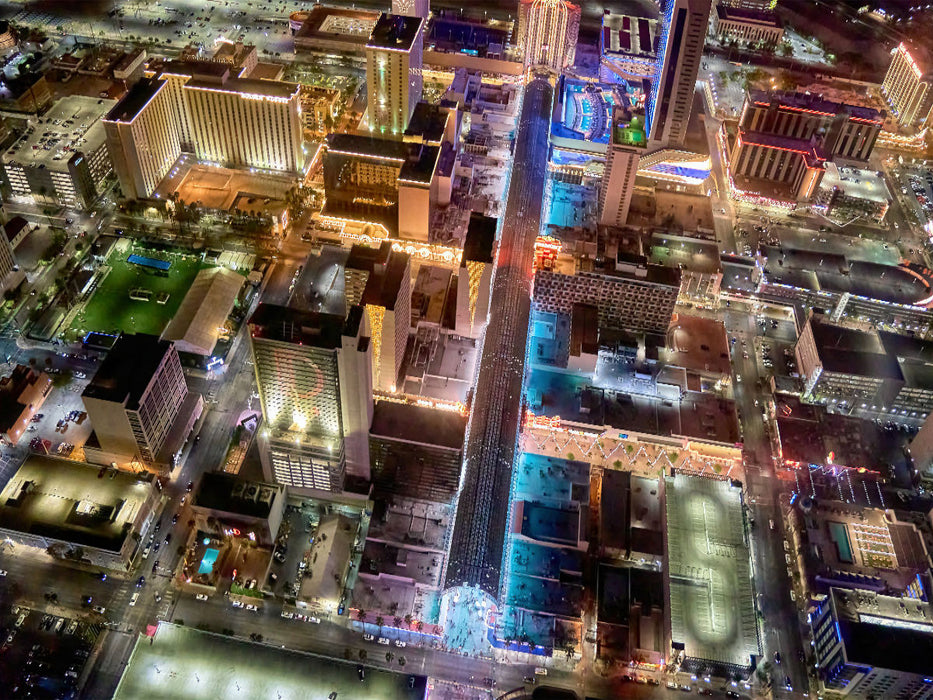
(843, 131)
(62, 158)
(203, 108)
(135, 397)
(683, 36)
(626, 146)
(547, 32)
(314, 375)
(628, 292)
(755, 27)
(869, 645)
(394, 72)
(379, 280)
(908, 85)
(412, 8)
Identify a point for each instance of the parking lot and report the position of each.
(42, 653)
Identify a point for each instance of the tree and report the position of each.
(401, 661)
(380, 621)
(361, 615)
(389, 657)
(397, 620)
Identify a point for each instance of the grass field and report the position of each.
(111, 309)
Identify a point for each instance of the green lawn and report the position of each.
(111, 310)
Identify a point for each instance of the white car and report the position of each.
(400, 644)
(250, 606)
(3, 573)
(237, 604)
(368, 638)
(201, 596)
(134, 599)
(383, 640)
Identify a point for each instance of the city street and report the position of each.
(479, 531)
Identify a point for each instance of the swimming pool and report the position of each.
(840, 536)
(207, 561)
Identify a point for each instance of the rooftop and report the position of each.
(630, 36)
(418, 424)
(812, 103)
(71, 127)
(328, 22)
(711, 595)
(127, 370)
(132, 103)
(429, 121)
(231, 494)
(395, 32)
(197, 324)
(70, 501)
(885, 632)
(480, 241)
(850, 351)
(248, 87)
(387, 270)
(742, 14)
(288, 325)
(628, 129)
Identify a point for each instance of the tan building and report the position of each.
(908, 85)
(203, 108)
(314, 375)
(66, 510)
(394, 72)
(750, 26)
(21, 396)
(379, 280)
(138, 403)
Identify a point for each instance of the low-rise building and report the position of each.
(753, 27)
(69, 511)
(627, 290)
(336, 31)
(229, 506)
(22, 394)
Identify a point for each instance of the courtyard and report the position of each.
(135, 298)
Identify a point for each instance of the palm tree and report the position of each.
(397, 620)
(361, 615)
(379, 622)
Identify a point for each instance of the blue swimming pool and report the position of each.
(207, 561)
(840, 536)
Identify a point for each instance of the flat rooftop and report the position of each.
(72, 126)
(127, 370)
(698, 344)
(395, 32)
(884, 631)
(283, 323)
(812, 102)
(353, 26)
(231, 494)
(629, 35)
(418, 424)
(711, 596)
(68, 501)
(321, 286)
(480, 241)
(131, 104)
(194, 664)
(248, 87)
(808, 433)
